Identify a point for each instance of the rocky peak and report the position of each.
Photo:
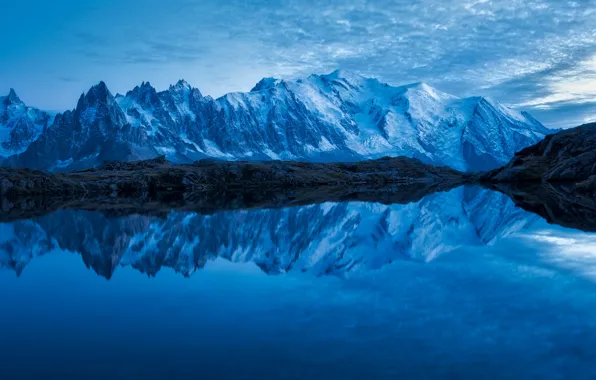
(96, 96)
(180, 85)
(183, 87)
(12, 98)
(98, 103)
(145, 95)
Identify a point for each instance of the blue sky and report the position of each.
(536, 55)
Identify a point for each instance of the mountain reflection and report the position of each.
(327, 238)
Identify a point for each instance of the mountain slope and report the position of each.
(19, 125)
(340, 116)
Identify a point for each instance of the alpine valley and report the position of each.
(336, 117)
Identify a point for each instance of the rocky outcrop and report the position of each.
(158, 175)
(565, 157)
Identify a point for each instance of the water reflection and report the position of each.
(327, 238)
(460, 284)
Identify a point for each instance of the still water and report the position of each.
(460, 285)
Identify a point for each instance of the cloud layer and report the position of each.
(539, 55)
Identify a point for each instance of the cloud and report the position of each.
(68, 79)
(528, 53)
(564, 248)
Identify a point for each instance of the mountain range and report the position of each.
(335, 117)
(321, 239)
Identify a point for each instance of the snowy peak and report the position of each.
(265, 84)
(523, 118)
(182, 91)
(422, 89)
(345, 76)
(478, 104)
(180, 87)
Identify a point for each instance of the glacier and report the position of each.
(340, 116)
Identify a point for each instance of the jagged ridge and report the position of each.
(339, 116)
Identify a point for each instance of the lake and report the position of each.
(459, 285)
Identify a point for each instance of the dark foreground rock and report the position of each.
(565, 157)
(209, 202)
(148, 178)
(558, 203)
(156, 186)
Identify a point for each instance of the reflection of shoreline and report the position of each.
(322, 239)
(208, 202)
(557, 203)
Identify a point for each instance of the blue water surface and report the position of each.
(492, 294)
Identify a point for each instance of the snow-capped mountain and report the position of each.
(19, 125)
(329, 238)
(339, 116)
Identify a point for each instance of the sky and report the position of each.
(534, 55)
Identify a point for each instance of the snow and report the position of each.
(265, 84)
(166, 150)
(325, 145)
(188, 141)
(213, 150)
(63, 163)
(146, 118)
(509, 112)
(271, 154)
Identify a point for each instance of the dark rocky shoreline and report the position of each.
(148, 178)
(209, 202)
(156, 186)
(567, 157)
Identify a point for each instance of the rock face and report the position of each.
(340, 116)
(322, 239)
(568, 156)
(19, 125)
